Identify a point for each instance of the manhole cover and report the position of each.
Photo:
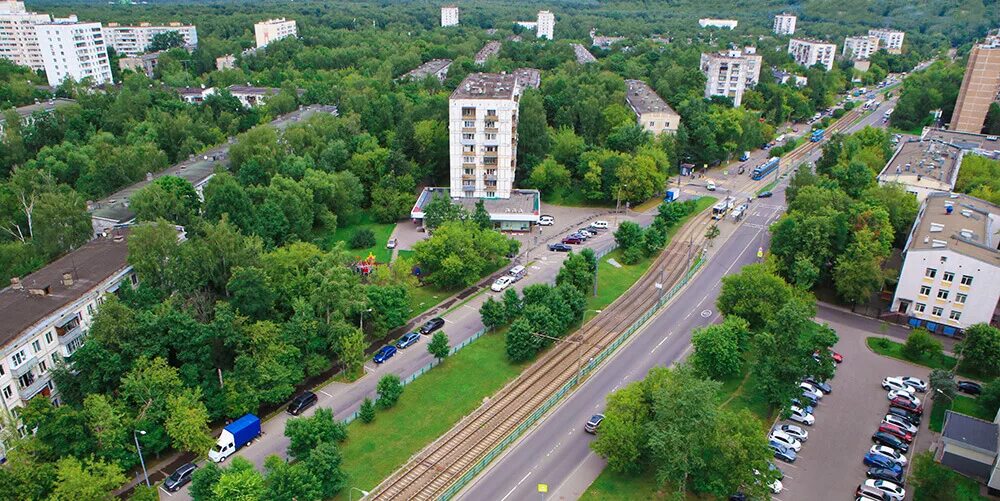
(706, 313)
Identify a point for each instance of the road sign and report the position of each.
(543, 488)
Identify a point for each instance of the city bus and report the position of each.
(817, 135)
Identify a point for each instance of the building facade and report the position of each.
(950, 277)
(730, 73)
(18, 36)
(784, 24)
(651, 111)
(74, 50)
(268, 31)
(861, 47)
(134, 40)
(707, 22)
(811, 52)
(145, 63)
(226, 62)
(980, 86)
(891, 40)
(482, 127)
(449, 15)
(546, 25)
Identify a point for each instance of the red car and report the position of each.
(837, 357)
(572, 240)
(907, 404)
(896, 431)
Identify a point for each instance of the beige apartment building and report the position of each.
(274, 29)
(979, 87)
(808, 53)
(651, 111)
(861, 47)
(892, 40)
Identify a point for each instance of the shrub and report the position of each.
(389, 389)
(920, 345)
(367, 411)
(362, 239)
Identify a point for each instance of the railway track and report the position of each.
(431, 471)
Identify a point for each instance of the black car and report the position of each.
(302, 402)
(883, 438)
(913, 418)
(824, 387)
(432, 325)
(885, 474)
(560, 247)
(766, 194)
(179, 477)
(970, 387)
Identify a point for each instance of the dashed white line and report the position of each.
(511, 491)
(325, 393)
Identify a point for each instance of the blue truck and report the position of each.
(672, 195)
(234, 436)
(765, 168)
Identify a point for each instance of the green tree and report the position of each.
(77, 479)
(622, 438)
(151, 249)
(167, 197)
(567, 147)
(165, 40)
(439, 346)
(289, 481)
(362, 239)
(389, 389)
(391, 305)
(920, 345)
(521, 343)
(352, 351)
(203, 482)
(225, 195)
(712, 233)
(305, 433)
(325, 464)
(187, 422)
(943, 385)
(980, 350)
(754, 294)
(240, 482)
(144, 493)
(441, 210)
(989, 399)
(251, 292)
(493, 313)
(718, 348)
(481, 217)
(532, 129)
(550, 176)
(459, 253)
(61, 223)
(108, 424)
(629, 238)
(366, 413)
(737, 458)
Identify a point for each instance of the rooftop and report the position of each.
(931, 165)
(642, 99)
(970, 431)
(583, 56)
(249, 89)
(44, 106)
(431, 67)
(528, 78)
(489, 50)
(963, 140)
(960, 223)
(486, 86)
(89, 265)
(522, 202)
(811, 41)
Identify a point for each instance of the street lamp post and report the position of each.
(361, 319)
(618, 202)
(139, 450)
(350, 495)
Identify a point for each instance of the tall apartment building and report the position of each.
(74, 50)
(892, 40)
(449, 15)
(18, 37)
(133, 40)
(784, 24)
(980, 86)
(810, 52)
(861, 47)
(274, 29)
(482, 126)
(651, 111)
(546, 24)
(950, 277)
(707, 22)
(730, 73)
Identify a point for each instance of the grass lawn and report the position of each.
(571, 197)
(423, 298)
(893, 349)
(344, 234)
(429, 407)
(963, 404)
(610, 485)
(768, 187)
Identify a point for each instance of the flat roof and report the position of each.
(91, 264)
(642, 99)
(932, 165)
(249, 89)
(528, 78)
(45, 106)
(521, 204)
(486, 86)
(811, 41)
(489, 50)
(971, 431)
(583, 56)
(963, 140)
(970, 228)
(431, 67)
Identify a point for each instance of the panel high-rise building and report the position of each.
(134, 40)
(449, 15)
(892, 40)
(482, 127)
(271, 30)
(980, 86)
(810, 52)
(74, 50)
(546, 24)
(784, 24)
(861, 47)
(730, 73)
(18, 36)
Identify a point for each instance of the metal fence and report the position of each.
(566, 388)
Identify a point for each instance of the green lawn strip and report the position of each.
(344, 234)
(893, 349)
(962, 404)
(621, 486)
(768, 187)
(429, 407)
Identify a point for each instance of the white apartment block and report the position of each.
(810, 52)
(274, 29)
(861, 47)
(729, 24)
(482, 128)
(950, 278)
(784, 24)
(226, 62)
(74, 50)
(47, 315)
(133, 40)
(546, 24)
(18, 37)
(730, 73)
(449, 15)
(892, 40)
(651, 111)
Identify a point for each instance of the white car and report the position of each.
(776, 486)
(895, 492)
(889, 452)
(786, 440)
(811, 389)
(795, 431)
(546, 221)
(908, 395)
(601, 225)
(900, 422)
(896, 383)
(915, 383)
(799, 415)
(501, 283)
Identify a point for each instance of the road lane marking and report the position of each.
(325, 393)
(166, 491)
(512, 489)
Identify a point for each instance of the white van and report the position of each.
(518, 272)
(546, 221)
(710, 186)
(601, 225)
(737, 214)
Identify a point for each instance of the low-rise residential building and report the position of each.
(546, 25)
(74, 50)
(950, 277)
(808, 52)
(134, 40)
(784, 77)
(145, 63)
(449, 15)
(268, 31)
(528, 25)
(251, 96)
(435, 67)
(489, 50)
(923, 167)
(891, 40)
(651, 111)
(784, 24)
(195, 95)
(583, 56)
(861, 47)
(226, 62)
(707, 22)
(27, 113)
(603, 42)
(969, 446)
(731, 72)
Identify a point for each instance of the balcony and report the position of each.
(467, 165)
(36, 387)
(492, 118)
(70, 335)
(25, 367)
(468, 187)
(490, 177)
(468, 177)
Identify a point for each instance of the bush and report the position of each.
(632, 255)
(367, 411)
(389, 389)
(850, 105)
(920, 345)
(362, 239)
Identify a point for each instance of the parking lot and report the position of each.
(830, 463)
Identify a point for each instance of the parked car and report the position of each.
(391, 244)
(824, 387)
(302, 402)
(772, 467)
(572, 240)
(785, 439)
(907, 404)
(600, 225)
(432, 325)
(808, 408)
(781, 452)
(501, 283)
(594, 423)
(893, 491)
(911, 417)
(915, 383)
(799, 415)
(883, 438)
(560, 247)
(180, 477)
(518, 272)
(795, 431)
(897, 384)
(837, 357)
(407, 340)
(865, 493)
(970, 387)
(888, 452)
(809, 388)
(881, 461)
(766, 194)
(775, 486)
(810, 397)
(546, 220)
(577, 234)
(892, 475)
(903, 423)
(384, 354)
(903, 394)
(895, 431)
(586, 232)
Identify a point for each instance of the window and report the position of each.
(468, 136)
(491, 136)
(17, 358)
(26, 380)
(491, 112)
(960, 298)
(36, 345)
(42, 367)
(652, 124)
(924, 290)
(948, 276)
(491, 124)
(942, 294)
(48, 337)
(937, 311)
(930, 273)
(55, 359)
(469, 160)
(490, 194)
(966, 279)
(919, 307)
(955, 315)
(469, 124)
(7, 392)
